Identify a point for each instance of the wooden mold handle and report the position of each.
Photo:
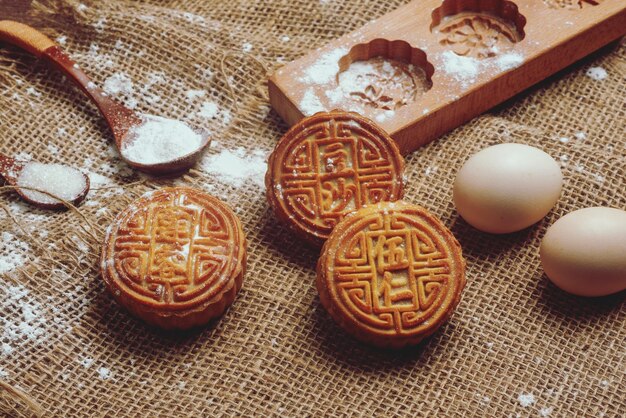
(25, 37)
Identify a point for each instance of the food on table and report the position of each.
(175, 257)
(327, 166)
(507, 187)
(391, 274)
(584, 252)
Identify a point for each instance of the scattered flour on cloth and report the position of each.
(211, 111)
(526, 399)
(192, 94)
(104, 373)
(30, 318)
(597, 73)
(27, 326)
(581, 136)
(236, 167)
(208, 110)
(119, 83)
(12, 252)
(86, 362)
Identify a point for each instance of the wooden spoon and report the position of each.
(10, 169)
(121, 119)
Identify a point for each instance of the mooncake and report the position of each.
(391, 274)
(327, 166)
(175, 257)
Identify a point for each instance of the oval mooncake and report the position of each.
(391, 274)
(329, 165)
(175, 257)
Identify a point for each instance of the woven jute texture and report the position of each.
(516, 345)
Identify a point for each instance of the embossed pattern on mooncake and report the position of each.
(329, 165)
(175, 257)
(391, 274)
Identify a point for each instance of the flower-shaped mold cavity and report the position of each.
(478, 28)
(381, 76)
(571, 4)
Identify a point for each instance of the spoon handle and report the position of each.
(118, 116)
(10, 168)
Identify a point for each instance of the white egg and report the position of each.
(507, 187)
(584, 252)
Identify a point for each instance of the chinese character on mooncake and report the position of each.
(328, 165)
(391, 274)
(175, 258)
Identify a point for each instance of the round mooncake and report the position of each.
(329, 165)
(391, 274)
(175, 257)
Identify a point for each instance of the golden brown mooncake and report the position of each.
(391, 274)
(328, 165)
(175, 257)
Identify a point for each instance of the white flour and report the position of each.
(29, 326)
(465, 70)
(86, 362)
(159, 140)
(104, 373)
(526, 399)
(325, 69)
(509, 61)
(310, 103)
(119, 83)
(208, 110)
(235, 168)
(12, 253)
(192, 94)
(545, 412)
(597, 73)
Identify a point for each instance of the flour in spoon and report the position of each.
(57, 179)
(159, 140)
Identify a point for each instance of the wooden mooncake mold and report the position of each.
(391, 274)
(175, 257)
(327, 166)
(429, 66)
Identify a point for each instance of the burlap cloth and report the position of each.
(516, 346)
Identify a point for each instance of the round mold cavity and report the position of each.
(571, 4)
(478, 28)
(382, 76)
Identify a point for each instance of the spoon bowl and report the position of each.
(173, 166)
(11, 169)
(120, 118)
